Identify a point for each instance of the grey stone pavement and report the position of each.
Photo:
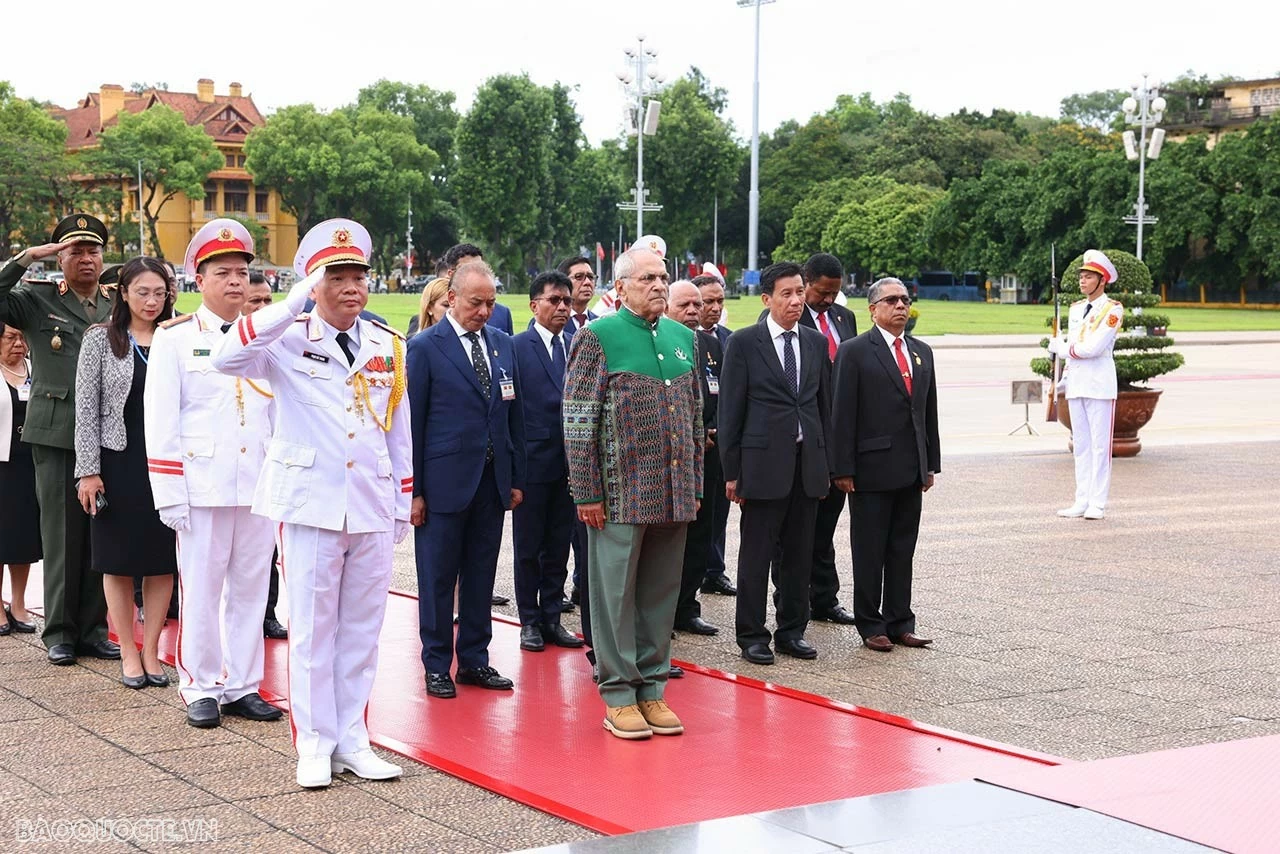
(1156, 628)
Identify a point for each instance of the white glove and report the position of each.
(177, 517)
(1058, 346)
(301, 291)
(402, 530)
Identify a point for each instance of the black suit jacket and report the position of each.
(759, 415)
(710, 360)
(888, 439)
(844, 320)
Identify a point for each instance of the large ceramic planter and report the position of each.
(1134, 408)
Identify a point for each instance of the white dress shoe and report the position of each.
(366, 764)
(1075, 511)
(314, 772)
(1094, 513)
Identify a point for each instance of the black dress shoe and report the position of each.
(203, 713)
(719, 584)
(799, 648)
(758, 653)
(595, 673)
(252, 707)
(566, 607)
(274, 629)
(560, 636)
(835, 614)
(440, 685)
(5, 629)
(104, 649)
(531, 639)
(484, 677)
(18, 625)
(496, 600)
(697, 626)
(62, 653)
(676, 672)
(157, 680)
(134, 682)
(575, 597)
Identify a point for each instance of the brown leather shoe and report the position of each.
(880, 643)
(910, 639)
(626, 722)
(658, 715)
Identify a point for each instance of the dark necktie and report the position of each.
(581, 320)
(789, 361)
(1087, 306)
(478, 362)
(227, 326)
(557, 357)
(902, 363)
(344, 341)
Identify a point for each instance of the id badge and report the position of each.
(24, 391)
(713, 385)
(508, 388)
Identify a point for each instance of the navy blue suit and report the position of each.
(715, 557)
(542, 526)
(572, 327)
(501, 319)
(467, 489)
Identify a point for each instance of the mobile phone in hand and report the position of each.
(100, 502)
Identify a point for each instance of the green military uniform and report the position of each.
(634, 440)
(54, 319)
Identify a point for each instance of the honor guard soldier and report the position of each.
(54, 318)
(338, 478)
(1090, 379)
(206, 436)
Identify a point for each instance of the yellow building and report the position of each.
(229, 191)
(1228, 108)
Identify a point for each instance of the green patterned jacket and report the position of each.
(632, 413)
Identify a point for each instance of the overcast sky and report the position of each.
(981, 54)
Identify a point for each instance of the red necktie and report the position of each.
(902, 363)
(582, 320)
(826, 330)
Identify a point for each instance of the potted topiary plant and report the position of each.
(1139, 355)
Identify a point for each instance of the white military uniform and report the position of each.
(1090, 379)
(340, 486)
(206, 438)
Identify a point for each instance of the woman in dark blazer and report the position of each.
(128, 539)
(19, 511)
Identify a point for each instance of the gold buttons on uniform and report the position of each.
(312, 372)
(242, 450)
(351, 435)
(351, 464)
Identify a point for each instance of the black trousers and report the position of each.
(542, 528)
(884, 532)
(700, 539)
(720, 523)
(273, 588)
(580, 581)
(824, 580)
(785, 523)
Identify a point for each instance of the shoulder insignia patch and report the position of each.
(384, 326)
(1113, 320)
(302, 318)
(168, 324)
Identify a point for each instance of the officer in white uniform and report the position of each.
(206, 435)
(1090, 380)
(339, 479)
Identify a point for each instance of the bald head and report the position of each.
(684, 303)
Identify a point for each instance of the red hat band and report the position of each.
(220, 247)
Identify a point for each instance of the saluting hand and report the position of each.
(47, 250)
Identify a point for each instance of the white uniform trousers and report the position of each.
(224, 569)
(1091, 423)
(337, 586)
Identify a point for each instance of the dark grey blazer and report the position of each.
(102, 387)
(759, 414)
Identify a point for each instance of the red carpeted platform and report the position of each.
(749, 746)
(1224, 796)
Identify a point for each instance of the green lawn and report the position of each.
(936, 317)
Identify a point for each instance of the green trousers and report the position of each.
(75, 609)
(634, 582)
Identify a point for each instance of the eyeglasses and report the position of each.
(894, 300)
(650, 278)
(554, 301)
(583, 277)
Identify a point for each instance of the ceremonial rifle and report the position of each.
(1055, 375)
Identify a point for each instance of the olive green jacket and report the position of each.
(46, 311)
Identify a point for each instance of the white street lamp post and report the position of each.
(1143, 109)
(753, 199)
(640, 79)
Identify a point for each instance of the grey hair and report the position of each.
(873, 292)
(626, 263)
(471, 268)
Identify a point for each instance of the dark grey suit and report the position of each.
(779, 478)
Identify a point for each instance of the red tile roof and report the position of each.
(226, 119)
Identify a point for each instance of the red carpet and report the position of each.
(1224, 796)
(749, 746)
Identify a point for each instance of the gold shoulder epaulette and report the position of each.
(1077, 302)
(381, 325)
(176, 320)
(302, 317)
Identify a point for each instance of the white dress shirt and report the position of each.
(889, 338)
(547, 335)
(466, 342)
(775, 332)
(831, 324)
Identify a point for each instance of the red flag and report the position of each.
(599, 251)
